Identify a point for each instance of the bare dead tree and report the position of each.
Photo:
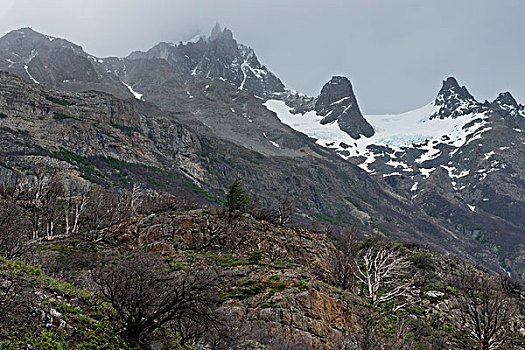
(285, 208)
(157, 203)
(147, 295)
(483, 314)
(104, 209)
(211, 232)
(381, 271)
(344, 259)
(14, 231)
(34, 205)
(136, 196)
(41, 202)
(17, 302)
(76, 205)
(371, 336)
(53, 208)
(261, 212)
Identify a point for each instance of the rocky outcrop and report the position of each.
(218, 57)
(337, 102)
(454, 101)
(507, 106)
(282, 266)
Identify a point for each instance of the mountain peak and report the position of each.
(454, 100)
(216, 31)
(25, 32)
(335, 89)
(506, 98)
(452, 90)
(337, 102)
(220, 33)
(450, 83)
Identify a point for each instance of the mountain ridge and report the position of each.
(240, 108)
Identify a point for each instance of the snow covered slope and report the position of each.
(395, 135)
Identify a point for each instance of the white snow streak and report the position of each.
(137, 95)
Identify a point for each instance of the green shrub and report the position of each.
(302, 285)
(58, 101)
(277, 287)
(257, 255)
(61, 116)
(128, 130)
(251, 287)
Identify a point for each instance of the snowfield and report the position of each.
(412, 129)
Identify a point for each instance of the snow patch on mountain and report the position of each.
(309, 123)
(414, 129)
(137, 95)
(29, 75)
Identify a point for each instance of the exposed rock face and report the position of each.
(304, 309)
(510, 109)
(454, 100)
(55, 62)
(218, 57)
(506, 100)
(337, 102)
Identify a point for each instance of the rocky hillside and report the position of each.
(97, 138)
(271, 288)
(202, 113)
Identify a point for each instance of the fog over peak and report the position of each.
(395, 53)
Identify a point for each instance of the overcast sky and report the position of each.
(395, 52)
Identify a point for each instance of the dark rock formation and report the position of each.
(454, 100)
(337, 102)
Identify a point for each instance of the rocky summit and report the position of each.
(337, 102)
(453, 100)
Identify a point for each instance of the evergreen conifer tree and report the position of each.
(236, 198)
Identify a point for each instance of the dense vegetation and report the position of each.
(94, 268)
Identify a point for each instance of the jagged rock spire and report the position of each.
(454, 100)
(337, 102)
(452, 90)
(505, 98)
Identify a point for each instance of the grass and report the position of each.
(210, 197)
(354, 203)
(257, 255)
(84, 164)
(59, 101)
(277, 286)
(119, 164)
(89, 324)
(325, 218)
(60, 116)
(381, 229)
